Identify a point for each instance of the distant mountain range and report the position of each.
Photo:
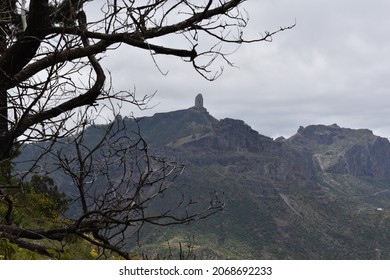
(323, 193)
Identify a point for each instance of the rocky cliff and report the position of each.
(345, 151)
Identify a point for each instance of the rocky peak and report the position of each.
(237, 135)
(234, 134)
(199, 103)
(318, 134)
(339, 150)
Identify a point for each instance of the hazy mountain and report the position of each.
(321, 194)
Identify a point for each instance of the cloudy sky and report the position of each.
(333, 67)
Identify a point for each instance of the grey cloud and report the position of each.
(333, 67)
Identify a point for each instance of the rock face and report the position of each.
(234, 143)
(346, 151)
(236, 135)
(199, 101)
(316, 148)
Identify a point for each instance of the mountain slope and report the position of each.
(346, 151)
(321, 194)
(288, 199)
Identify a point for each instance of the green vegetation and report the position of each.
(39, 205)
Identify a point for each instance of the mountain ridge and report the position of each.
(314, 195)
(334, 149)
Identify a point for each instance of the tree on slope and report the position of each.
(46, 50)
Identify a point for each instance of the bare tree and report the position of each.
(114, 181)
(48, 48)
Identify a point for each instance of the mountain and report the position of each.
(346, 151)
(321, 194)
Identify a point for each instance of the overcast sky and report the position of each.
(333, 67)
